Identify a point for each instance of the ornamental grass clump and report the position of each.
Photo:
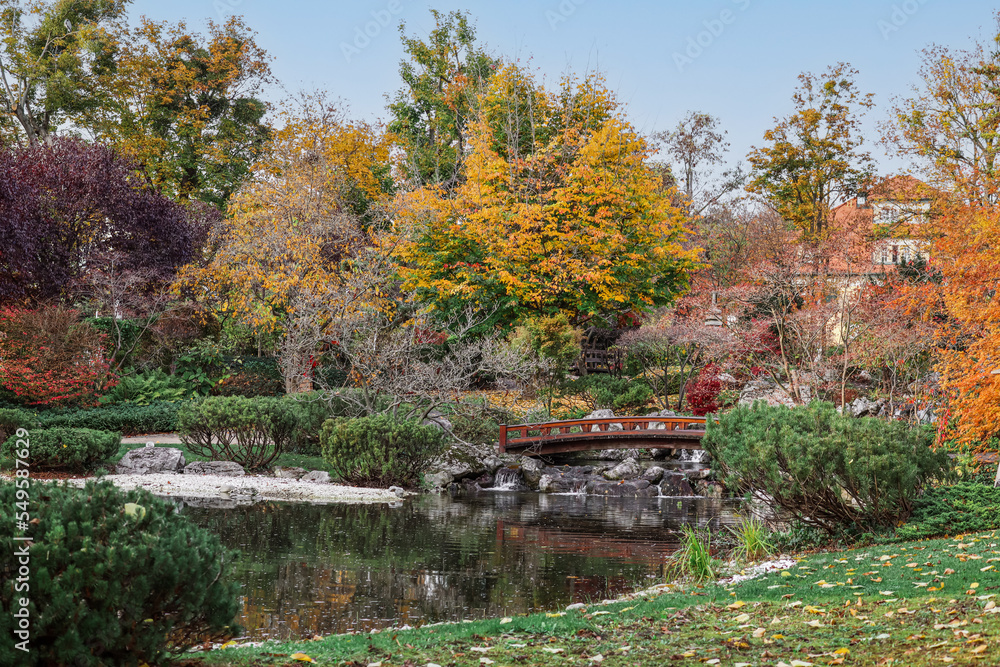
(693, 560)
(827, 470)
(116, 578)
(753, 540)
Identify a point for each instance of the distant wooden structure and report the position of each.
(580, 435)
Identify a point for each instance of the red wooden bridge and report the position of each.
(579, 435)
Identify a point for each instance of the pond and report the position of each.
(318, 570)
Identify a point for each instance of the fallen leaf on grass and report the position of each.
(301, 657)
(552, 650)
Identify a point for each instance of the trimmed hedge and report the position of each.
(966, 507)
(11, 420)
(63, 447)
(379, 451)
(128, 419)
(827, 470)
(117, 578)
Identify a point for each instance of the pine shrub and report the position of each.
(76, 448)
(13, 419)
(248, 431)
(379, 451)
(825, 469)
(116, 578)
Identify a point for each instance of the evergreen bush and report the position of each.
(117, 578)
(126, 418)
(379, 451)
(65, 447)
(248, 431)
(827, 470)
(13, 419)
(606, 392)
(966, 507)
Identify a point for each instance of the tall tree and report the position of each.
(431, 114)
(188, 108)
(814, 158)
(694, 146)
(66, 206)
(296, 229)
(54, 59)
(559, 211)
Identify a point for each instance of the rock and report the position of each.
(435, 418)
(289, 472)
(767, 391)
(399, 492)
(603, 414)
(220, 468)
(579, 606)
(627, 469)
(726, 378)
(485, 480)
(150, 460)
(927, 416)
(675, 484)
(561, 484)
(701, 473)
(637, 488)
(316, 476)
(438, 480)
(531, 471)
(863, 407)
(653, 474)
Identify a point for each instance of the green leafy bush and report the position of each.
(379, 450)
(966, 507)
(11, 420)
(116, 578)
(605, 392)
(125, 418)
(827, 470)
(248, 431)
(64, 447)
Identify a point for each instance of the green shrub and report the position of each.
(379, 450)
(605, 392)
(248, 431)
(125, 418)
(64, 447)
(11, 420)
(148, 388)
(116, 578)
(311, 410)
(825, 469)
(966, 507)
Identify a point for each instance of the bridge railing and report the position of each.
(523, 434)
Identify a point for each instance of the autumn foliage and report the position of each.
(49, 357)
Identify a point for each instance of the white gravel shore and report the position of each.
(267, 488)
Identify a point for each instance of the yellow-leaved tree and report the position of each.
(294, 231)
(558, 210)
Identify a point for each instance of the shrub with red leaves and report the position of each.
(48, 356)
(703, 392)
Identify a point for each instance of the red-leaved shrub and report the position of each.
(703, 392)
(48, 356)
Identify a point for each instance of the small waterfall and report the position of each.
(508, 479)
(693, 456)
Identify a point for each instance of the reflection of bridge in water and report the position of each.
(579, 435)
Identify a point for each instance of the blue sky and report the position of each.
(735, 59)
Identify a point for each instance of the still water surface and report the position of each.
(308, 570)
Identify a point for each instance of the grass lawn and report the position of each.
(910, 604)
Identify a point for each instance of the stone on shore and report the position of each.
(218, 468)
(150, 460)
(316, 476)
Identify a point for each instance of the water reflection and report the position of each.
(327, 569)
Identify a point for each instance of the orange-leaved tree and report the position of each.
(559, 211)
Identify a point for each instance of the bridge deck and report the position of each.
(580, 435)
